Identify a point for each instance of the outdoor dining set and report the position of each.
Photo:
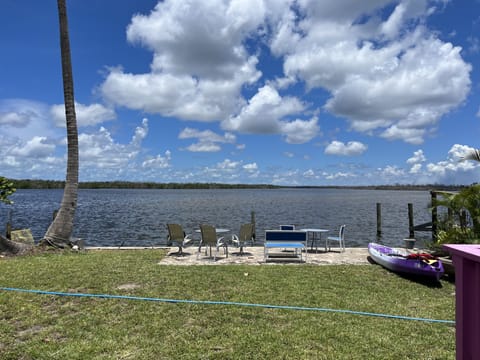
(293, 242)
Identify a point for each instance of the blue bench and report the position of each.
(285, 239)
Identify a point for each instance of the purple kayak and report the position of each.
(401, 261)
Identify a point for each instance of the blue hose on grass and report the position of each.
(209, 302)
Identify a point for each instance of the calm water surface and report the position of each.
(133, 217)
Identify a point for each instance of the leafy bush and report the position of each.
(457, 235)
(461, 225)
(6, 189)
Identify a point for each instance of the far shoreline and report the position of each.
(118, 184)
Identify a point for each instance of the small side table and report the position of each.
(314, 240)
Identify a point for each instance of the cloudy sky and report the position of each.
(286, 92)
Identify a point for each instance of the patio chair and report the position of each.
(209, 239)
(244, 237)
(177, 237)
(340, 239)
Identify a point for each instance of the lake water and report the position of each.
(134, 217)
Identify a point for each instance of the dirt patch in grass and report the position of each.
(128, 286)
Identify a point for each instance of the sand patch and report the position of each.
(254, 256)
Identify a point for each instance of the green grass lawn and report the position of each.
(34, 326)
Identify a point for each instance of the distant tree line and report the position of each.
(57, 184)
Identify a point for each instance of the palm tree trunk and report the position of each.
(13, 247)
(60, 230)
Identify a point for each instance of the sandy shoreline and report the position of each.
(254, 256)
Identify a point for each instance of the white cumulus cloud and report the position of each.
(158, 162)
(267, 113)
(199, 63)
(208, 141)
(36, 147)
(418, 157)
(351, 148)
(86, 115)
(388, 74)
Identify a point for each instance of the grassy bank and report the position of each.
(36, 326)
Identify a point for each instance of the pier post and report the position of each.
(433, 195)
(252, 220)
(8, 230)
(379, 221)
(411, 230)
(8, 227)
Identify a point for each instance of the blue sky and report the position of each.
(307, 92)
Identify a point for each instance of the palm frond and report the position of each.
(473, 154)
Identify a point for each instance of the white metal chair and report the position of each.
(209, 239)
(177, 237)
(340, 239)
(244, 237)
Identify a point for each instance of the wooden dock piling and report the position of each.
(379, 221)
(411, 227)
(433, 195)
(252, 220)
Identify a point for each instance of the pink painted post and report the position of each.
(466, 259)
